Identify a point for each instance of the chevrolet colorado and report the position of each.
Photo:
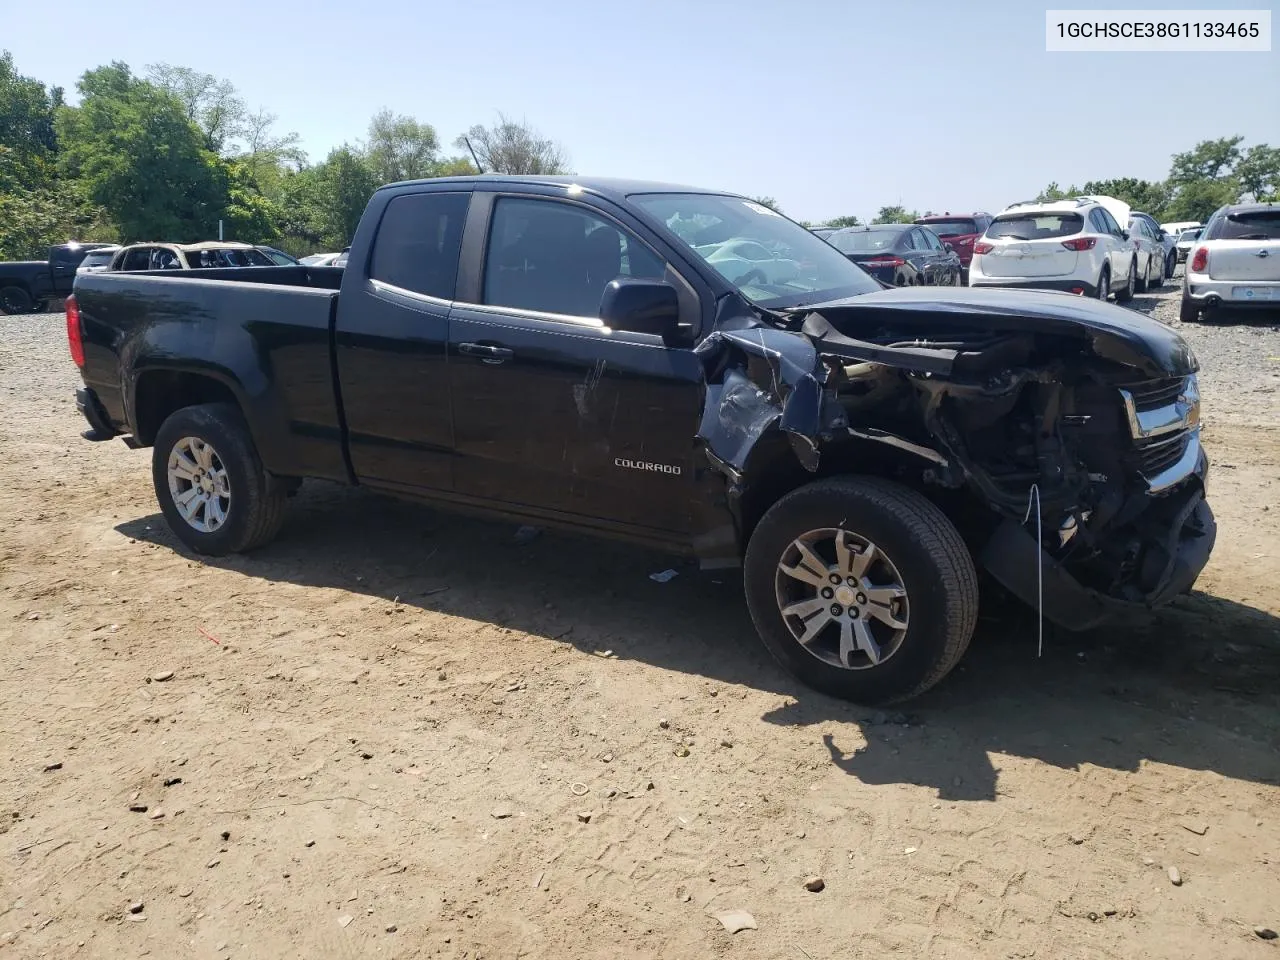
(687, 370)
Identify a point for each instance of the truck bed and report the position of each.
(144, 330)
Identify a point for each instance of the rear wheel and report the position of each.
(1145, 280)
(862, 588)
(1104, 284)
(1189, 312)
(1125, 295)
(14, 300)
(213, 490)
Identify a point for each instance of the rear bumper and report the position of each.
(91, 409)
(1067, 285)
(1207, 293)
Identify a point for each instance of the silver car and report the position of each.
(1235, 263)
(97, 260)
(1185, 240)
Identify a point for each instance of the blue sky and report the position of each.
(831, 106)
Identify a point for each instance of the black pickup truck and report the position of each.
(687, 370)
(26, 284)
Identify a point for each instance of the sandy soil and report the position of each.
(400, 734)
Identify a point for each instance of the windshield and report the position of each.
(952, 228)
(771, 260)
(1255, 225)
(1042, 226)
(864, 241)
(1188, 235)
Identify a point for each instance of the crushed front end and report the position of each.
(1061, 437)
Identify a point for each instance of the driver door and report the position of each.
(553, 412)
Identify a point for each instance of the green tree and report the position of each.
(212, 104)
(1054, 192)
(896, 214)
(141, 158)
(456, 167)
(1199, 199)
(1259, 172)
(769, 202)
(1145, 195)
(402, 148)
(27, 135)
(515, 148)
(346, 181)
(1207, 160)
(841, 222)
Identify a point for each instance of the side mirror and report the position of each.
(641, 306)
(948, 246)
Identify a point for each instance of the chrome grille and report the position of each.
(1161, 453)
(1154, 394)
(1164, 421)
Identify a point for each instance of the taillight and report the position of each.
(983, 247)
(1080, 243)
(884, 262)
(1200, 261)
(75, 338)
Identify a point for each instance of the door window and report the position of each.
(1110, 222)
(418, 243)
(162, 259)
(554, 257)
(139, 258)
(931, 240)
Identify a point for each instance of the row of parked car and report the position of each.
(28, 285)
(1079, 246)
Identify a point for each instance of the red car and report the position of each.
(961, 230)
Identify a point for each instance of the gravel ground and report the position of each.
(395, 733)
(1239, 357)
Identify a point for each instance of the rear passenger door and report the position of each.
(389, 340)
(554, 413)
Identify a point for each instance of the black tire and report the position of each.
(257, 499)
(1145, 281)
(1158, 281)
(1127, 294)
(932, 560)
(14, 300)
(1189, 312)
(1104, 285)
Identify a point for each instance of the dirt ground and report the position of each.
(395, 733)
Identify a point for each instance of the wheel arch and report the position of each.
(159, 392)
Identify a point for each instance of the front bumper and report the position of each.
(1172, 566)
(1068, 285)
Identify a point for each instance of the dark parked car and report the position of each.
(900, 254)
(960, 230)
(26, 284)
(607, 356)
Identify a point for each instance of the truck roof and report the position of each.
(610, 187)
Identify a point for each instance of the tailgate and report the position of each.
(1244, 260)
(1028, 258)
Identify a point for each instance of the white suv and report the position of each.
(1235, 262)
(1076, 246)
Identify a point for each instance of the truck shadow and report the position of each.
(1195, 686)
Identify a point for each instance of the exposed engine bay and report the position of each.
(1063, 441)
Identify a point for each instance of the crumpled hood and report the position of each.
(1118, 334)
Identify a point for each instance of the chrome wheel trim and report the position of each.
(841, 598)
(199, 484)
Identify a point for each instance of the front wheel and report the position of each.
(862, 588)
(213, 490)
